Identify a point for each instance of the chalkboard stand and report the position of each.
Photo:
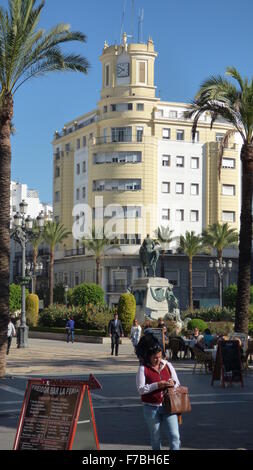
(159, 335)
(228, 367)
(57, 415)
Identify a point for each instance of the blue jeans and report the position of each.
(70, 333)
(155, 417)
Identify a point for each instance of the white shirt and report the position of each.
(135, 334)
(144, 388)
(11, 330)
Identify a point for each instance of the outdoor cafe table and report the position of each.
(213, 351)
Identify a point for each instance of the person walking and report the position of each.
(70, 329)
(135, 334)
(10, 333)
(116, 332)
(18, 325)
(155, 375)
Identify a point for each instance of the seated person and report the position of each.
(208, 338)
(196, 336)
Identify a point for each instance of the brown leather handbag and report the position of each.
(176, 400)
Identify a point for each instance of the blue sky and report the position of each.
(194, 39)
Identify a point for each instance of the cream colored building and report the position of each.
(134, 156)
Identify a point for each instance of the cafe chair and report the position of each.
(176, 345)
(202, 359)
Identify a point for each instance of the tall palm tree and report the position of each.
(164, 237)
(220, 236)
(26, 51)
(234, 102)
(97, 245)
(191, 244)
(54, 234)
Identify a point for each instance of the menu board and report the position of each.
(159, 335)
(227, 366)
(50, 415)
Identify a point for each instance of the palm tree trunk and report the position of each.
(190, 284)
(35, 255)
(6, 113)
(245, 242)
(98, 280)
(51, 277)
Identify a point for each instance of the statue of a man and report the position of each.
(148, 255)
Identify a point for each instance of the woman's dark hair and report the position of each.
(147, 346)
(207, 331)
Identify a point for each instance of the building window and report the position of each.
(139, 134)
(179, 215)
(228, 216)
(140, 107)
(67, 147)
(142, 72)
(198, 279)
(77, 195)
(159, 113)
(166, 160)
(121, 134)
(228, 163)
(113, 107)
(180, 162)
(180, 134)
(165, 214)
(130, 106)
(57, 171)
(219, 136)
(194, 163)
(84, 167)
(194, 189)
(194, 216)
(84, 192)
(84, 141)
(78, 144)
(173, 114)
(105, 109)
(165, 187)
(228, 190)
(78, 169)
(57, 196)
(179, 188)
(107, 75)
(166, 134)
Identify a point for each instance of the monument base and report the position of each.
(151, 295)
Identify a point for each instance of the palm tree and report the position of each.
(26, 51)
(221, 98)
(191, 244)
(37, 239)
(220, 236)
(97, 244)
(164, 237)
(54, 234)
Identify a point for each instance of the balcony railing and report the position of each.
(75, 252)
(122, 139)
(118, 289)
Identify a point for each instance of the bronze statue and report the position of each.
(148, 255)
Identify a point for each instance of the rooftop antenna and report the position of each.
(122, 21)
(132, 28)
(140, 24)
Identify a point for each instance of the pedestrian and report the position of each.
(135, 334)
(10, 333)
(70, 329)
(154, 375)
(18, 325)
(115, 331)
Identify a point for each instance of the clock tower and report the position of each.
(128, 70)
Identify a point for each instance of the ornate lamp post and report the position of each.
(220, 267)
(66, 288)
(32, 270)
(22, 234)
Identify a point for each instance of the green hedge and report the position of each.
(32, 309)
(15, 297)
(210, 314)
(196, 323)
(126, 311)
(230, 294)
(87, 294)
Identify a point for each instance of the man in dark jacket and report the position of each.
(115, 331)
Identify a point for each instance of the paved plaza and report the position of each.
(220, 418)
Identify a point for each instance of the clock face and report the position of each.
(123, 70)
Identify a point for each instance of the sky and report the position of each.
(194, 39)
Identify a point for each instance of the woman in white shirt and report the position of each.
(10, 333)
(153, 377)
(135, 334)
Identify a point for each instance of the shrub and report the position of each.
(230, 294)
(15, 297)
(54, 315)
(85, 294)
(214, 313)
(60, 296)
(126, 311)
(32, 309)
(221, 327)
(197, 323)
(98, 317)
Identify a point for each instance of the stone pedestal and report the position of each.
(151, 297)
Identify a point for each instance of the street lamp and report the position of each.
(220, 266)
(22, 234)
(32, 270)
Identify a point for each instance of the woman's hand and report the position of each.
(165, 384)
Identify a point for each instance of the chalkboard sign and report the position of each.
(228, 366)
(57, 415)
(159, 335)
